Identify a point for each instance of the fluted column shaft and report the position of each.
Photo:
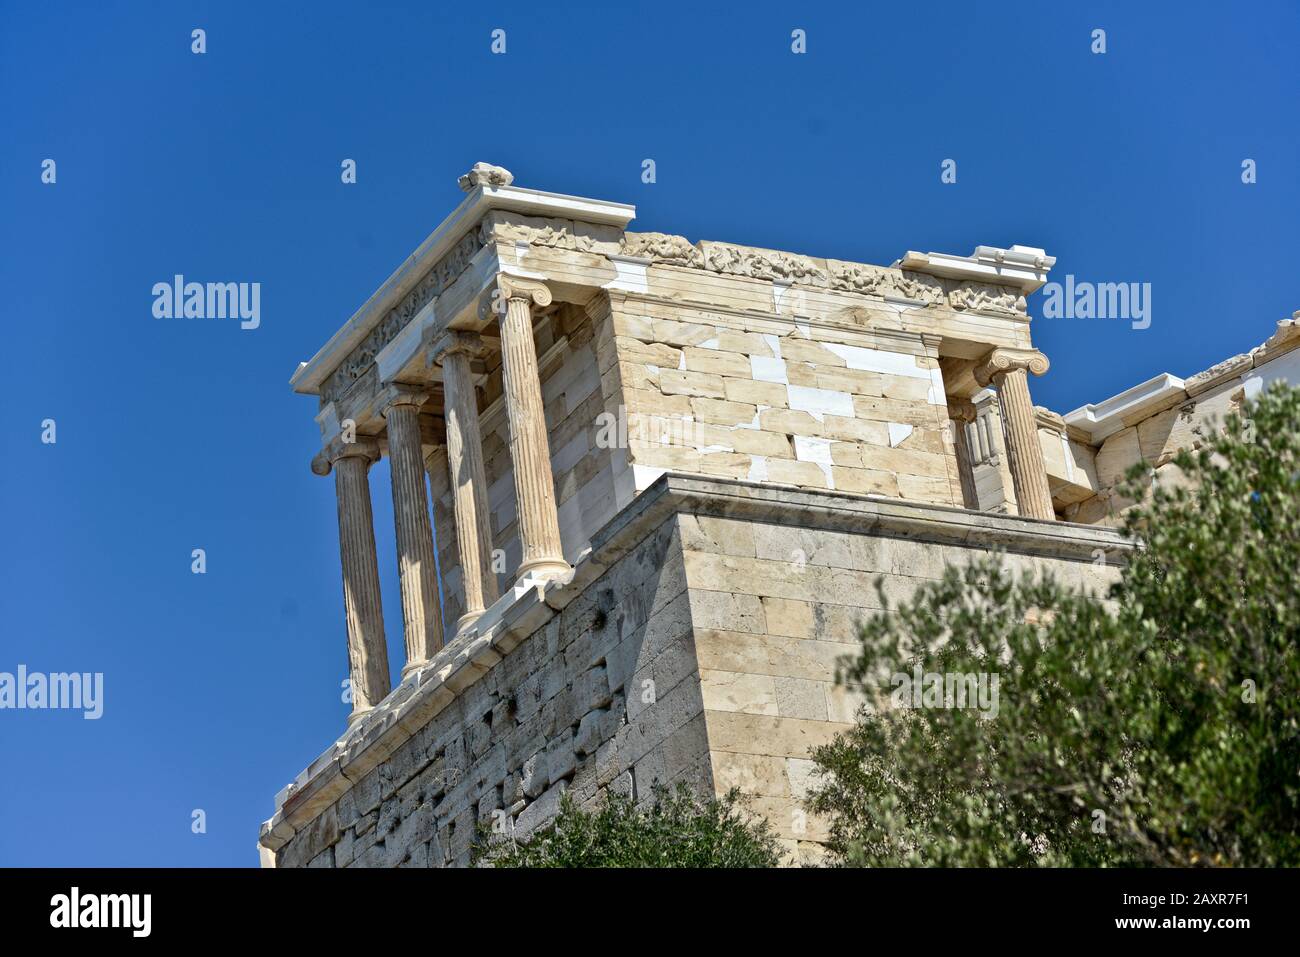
(367, 650)
(1008, 371)
(961, 413)
(421, 609)
(468, 475)
(538, 519)
(1024, 454)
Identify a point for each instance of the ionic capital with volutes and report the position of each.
(454, 342)
(1001, 361)
(532, 290)
(364, 446)
(400, 394)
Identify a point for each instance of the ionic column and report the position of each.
(961, 412)
(1007, 370)
(421, 610)
(468, 476)
(538, 518)
(367, 651)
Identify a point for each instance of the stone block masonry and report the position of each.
(697, 642)
(782, 400)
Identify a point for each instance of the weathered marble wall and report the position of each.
(783, 399)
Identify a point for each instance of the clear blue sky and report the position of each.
(225, 167)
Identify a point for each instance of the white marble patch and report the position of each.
(937, 394)
(820, 402)
(646, 475)
(767, 369)
(808, 449)
(878, 360)
(629, 276)
(898, 433)
(779, 289)
(1069, 458)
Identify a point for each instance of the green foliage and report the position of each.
(1158, 728)
(676, 829)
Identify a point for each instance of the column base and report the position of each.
(545, 569)
(412, 666)
(466, 621)
(356, 716)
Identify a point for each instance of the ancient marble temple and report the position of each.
(665, 476)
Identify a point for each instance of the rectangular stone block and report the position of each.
(801, 698)
(747, 390)
(788, 421)
(747, 343)
(925, 488)
(854, 430)
(866, 481)
(682, 333)
(724, 611)
(748, 441)
(755, 774)
(722, 412)
(736, 731)
(784, 616)
(636, 327)
(773, 655)
(651, 402)
(674, 382)
(648, 353)
(806, 350)
(893, 410)
(853, 381)
(716, 362)
(733, 691)
(787, 472)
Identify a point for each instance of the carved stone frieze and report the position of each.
(541, 232)
(556, 233)
(859, 278)
(982, 297)
(765, 264)
(916, 286)
(662, 248)
(443, 273)
(879, 281)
